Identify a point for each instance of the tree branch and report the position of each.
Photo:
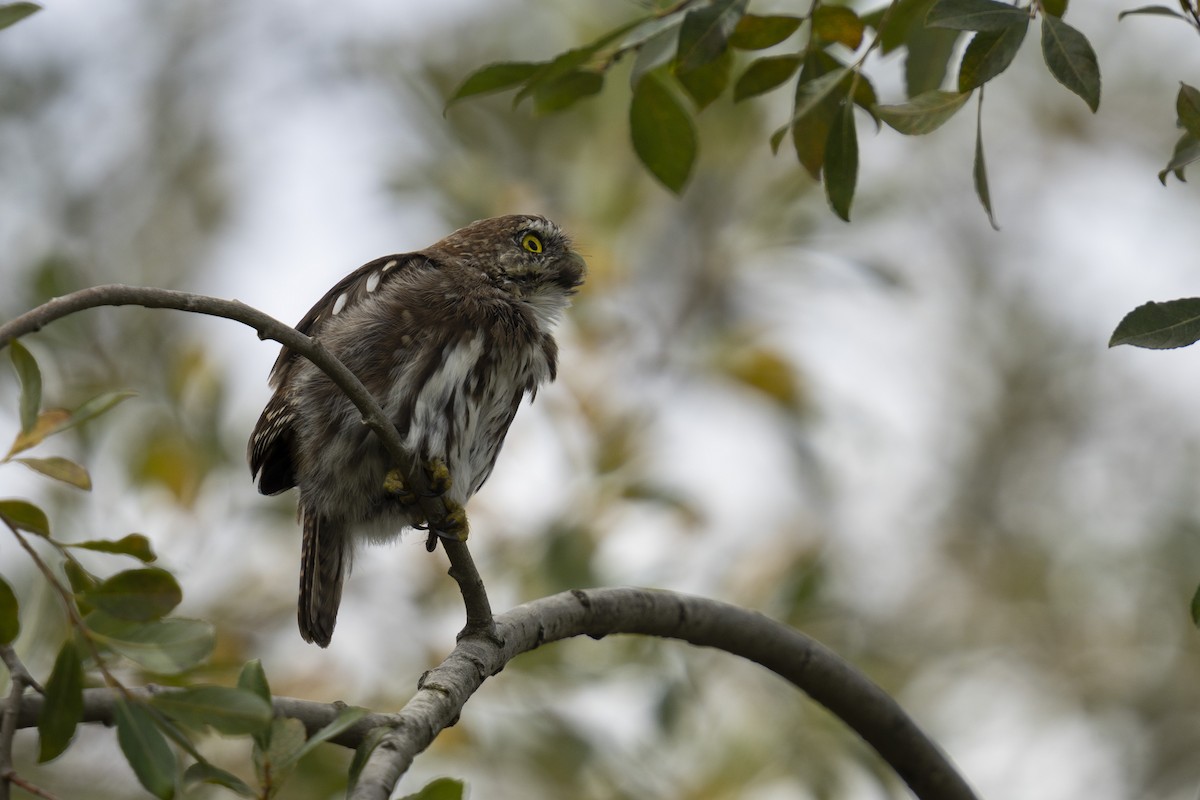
(811, 667)
(462, 567)
(444, 690)
(487, 644)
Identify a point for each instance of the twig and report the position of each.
(10, 776)
(462, 569)
(825, 677)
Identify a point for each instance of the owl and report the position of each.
(449, 340)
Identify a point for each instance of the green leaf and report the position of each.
(439, 789)
(167, 646)
(903, 18)
(204, 772)
(146, 750)
(139, 595)
(841, 161)
(572, 60)
(705, 33)
(664, 136)
(25, 516)
(97, 406)
(495, 78)
(80, 579)
(758, 32)
(979, 173)
(252, 678)
(134, 544)
(924, 113)
(64, 703)
(1187, 150)
(656, 51)
(764, 74)
(1196, 608)
(1187, 106)
(988, 55)
(61, 469)
(233, 712)
(928, 58)
(345, 719)
(28, 373)
(567, 90)
(838, 24)
(275, 762)
(1055, 7)
(810, 96)
(1160, 326)
(10, 621)
(11, 13)
(1159, 11)
(1071, 59)
(974, 15)
(705, 84)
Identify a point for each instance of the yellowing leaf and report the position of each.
(61, 469)
(838, 24)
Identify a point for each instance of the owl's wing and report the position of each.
(270, 448)
(347, 292)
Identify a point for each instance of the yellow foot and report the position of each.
(394, 484)
(439, 476)
(454, 526)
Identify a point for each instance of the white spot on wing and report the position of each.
(373, 281)
(340, 303)
(387, 267)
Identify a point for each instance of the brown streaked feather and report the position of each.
(354, 286)
(324, 562)
(270, 448)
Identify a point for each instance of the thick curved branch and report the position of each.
(443, 691)
(478, 609)
(811, 667)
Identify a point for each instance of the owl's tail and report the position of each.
(324, 562)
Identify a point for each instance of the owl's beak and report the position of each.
(574, 268)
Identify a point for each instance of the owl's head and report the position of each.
(528, 257)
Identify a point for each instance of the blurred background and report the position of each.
(904, 436)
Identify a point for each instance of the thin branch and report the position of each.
(100, 704)
(11, 777)
(462, 568)
(811, 667)
(21, 680)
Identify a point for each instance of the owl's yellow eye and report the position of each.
(531, 243)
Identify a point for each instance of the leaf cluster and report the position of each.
(123, 619)
(687, 55)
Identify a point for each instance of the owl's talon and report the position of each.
(438, 475)
(394, 484)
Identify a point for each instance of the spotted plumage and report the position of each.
(449, 340)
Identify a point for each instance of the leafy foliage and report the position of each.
(123, 619)
(697, 45)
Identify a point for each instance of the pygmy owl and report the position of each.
(448, 339)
